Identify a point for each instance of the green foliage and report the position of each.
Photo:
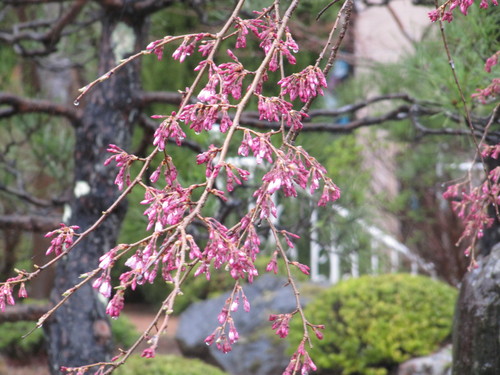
(167, 365)
(124, 332)
(373, 323)
(12, 343)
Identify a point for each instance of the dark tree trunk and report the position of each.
(476, 344)
(476, 330)
(79, 333)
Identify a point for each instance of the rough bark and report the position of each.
(79, 332)
(476, 345)
(476, 340)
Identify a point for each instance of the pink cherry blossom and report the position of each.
(305, 85)
(115, 305)
(281, 324)
(63, 239)
(168, 128)
(124, 161)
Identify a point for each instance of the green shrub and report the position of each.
(373, 323)
(13, 345)
(124, 332)
(166, 365)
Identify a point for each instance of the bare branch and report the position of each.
(400, 113)
(25, 196)
(48, 38)
(151, 125)
(29, 223)
(142, 7)
(150, 97)
(11, 105)
(31, 2)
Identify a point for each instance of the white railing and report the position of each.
(383, 244)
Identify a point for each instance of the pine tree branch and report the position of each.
(11, 105)
(29, 223)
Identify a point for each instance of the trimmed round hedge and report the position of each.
(166, 365)
(373, 323)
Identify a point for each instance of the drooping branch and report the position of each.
(11, 105)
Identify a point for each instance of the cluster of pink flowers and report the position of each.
(232, 75)
(116, 305)
(260, 146)
(169, 171)
(63, 240)
(122, 160)
(463, 5)
(493, 89)
(207, 158)
(281, 324)
(187, 47)
(265, 28)
(168, 128)
(471, 204)
(300, 361)
(170, 208)
(305, 85)
(491, 151)
(491, 61)
(166, 207)
(203, 116)
(490, 92)
(223, 340)
(156, 48)
(231, 178)
(222, 249)
(6, 292)
(273, 108)
(298, 168)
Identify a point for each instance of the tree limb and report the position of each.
(25, 196)
(400, 113)
(29, 312)
(149, 97)
(151, 125)
(11, 105)
(29, 223)
(48, 38)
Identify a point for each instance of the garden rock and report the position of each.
(259, 351)
(438, 363)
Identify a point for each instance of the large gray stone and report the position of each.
(438, 363)
(259, 351)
